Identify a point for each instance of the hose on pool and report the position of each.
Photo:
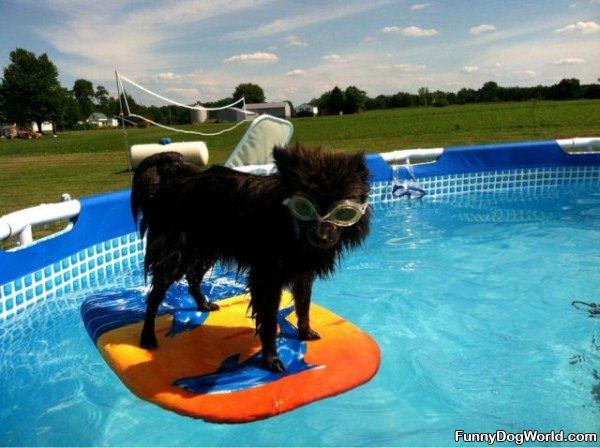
(592, 308)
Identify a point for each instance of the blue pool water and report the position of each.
(469, 299)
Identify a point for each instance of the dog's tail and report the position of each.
(148, 186)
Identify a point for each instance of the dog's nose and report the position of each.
(324, 231)
(323, 235)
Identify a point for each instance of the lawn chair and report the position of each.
(256, 146)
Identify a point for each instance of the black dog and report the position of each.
(280, 228)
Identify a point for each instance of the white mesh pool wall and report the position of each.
(88, 268)
(535, 180)
(94, 265)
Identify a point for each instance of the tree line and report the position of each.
(30, 91)
(352, 99)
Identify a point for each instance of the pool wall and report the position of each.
(103, 240)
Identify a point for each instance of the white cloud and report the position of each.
(483, 28)
(332, 58)
(306, 19)
(168, 77)
(95, 38)
(568, 61)
(185, 11)
(469, 69)
(160, 78)
(371, 71)
(184, 93)
(516, 32)
(579, 28)
(409, 68)
(411, 31)
(419, 6)
(258, 57)
(537, 56)
(296, 73)
(295, 41)
(415, 31)
(526, 73)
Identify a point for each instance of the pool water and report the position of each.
(469, 299)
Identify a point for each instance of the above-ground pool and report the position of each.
(468, 293)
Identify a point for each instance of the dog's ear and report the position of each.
(151, 179)
(359, 163)
(285, 159)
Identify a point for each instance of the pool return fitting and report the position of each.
(409, 188)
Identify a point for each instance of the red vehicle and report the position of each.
(13, 131)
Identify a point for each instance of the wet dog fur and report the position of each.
(195, 218)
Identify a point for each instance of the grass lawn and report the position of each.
(87, 162)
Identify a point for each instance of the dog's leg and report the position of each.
(194, 278)
(265, 295)
(155, 297)
(301, 290)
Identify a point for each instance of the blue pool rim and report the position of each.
(103, 239)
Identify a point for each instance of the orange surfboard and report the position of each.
(208, 364)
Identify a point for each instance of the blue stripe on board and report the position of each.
(106, 311)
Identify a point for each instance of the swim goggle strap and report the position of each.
(344, 213)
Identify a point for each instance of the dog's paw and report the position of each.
(148, 341)
(213, 306)
(308, 335)
(273, 363)
(208, 306)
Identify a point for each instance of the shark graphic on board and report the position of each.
(233, 376)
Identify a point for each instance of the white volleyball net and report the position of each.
(140, 104)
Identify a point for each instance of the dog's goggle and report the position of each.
(343, 213)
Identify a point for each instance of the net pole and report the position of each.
(123, 128)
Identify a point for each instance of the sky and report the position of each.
(191, 50)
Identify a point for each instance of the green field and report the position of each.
(87, 162)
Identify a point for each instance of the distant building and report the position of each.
(281, 110)
(47, 127)
(198, 116)
(229, 115)
(307, 110)
(102, 121)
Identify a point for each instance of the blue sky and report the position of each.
(200, 49)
